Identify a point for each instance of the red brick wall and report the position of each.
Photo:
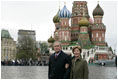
(75, 28)
(102, 56)
(100, 44)
(97, 19)
(65, 34)
(65, 43)
(64, 22)
(83, 29)
(74, 20)
(56, 24)
(97, 38)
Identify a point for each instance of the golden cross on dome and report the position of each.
(98, 2)
(59, 4)
(65, 3)
(51, 32)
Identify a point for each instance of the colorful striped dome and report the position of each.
(64, 13)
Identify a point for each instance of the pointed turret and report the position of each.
(98, 11)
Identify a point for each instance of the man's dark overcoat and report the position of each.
(57, 68)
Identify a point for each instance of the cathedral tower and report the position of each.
(98, 29)
(77, 14)
(56, 20)
(65, 30)
(84, 39)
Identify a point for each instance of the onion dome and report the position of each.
(51, 40)
(56, 17)
(84, 22)
(98, 11)
(64, 13)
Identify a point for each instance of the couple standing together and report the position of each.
(62, 66)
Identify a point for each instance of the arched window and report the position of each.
(92, 35)
(63, 48)
(65, 22)
(102, 34)
(70, 48)
(65, 38)
(66, 48)
(96, 34)
(99, 38)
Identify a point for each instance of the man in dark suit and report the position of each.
(59, 64)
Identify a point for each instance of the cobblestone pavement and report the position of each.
(41, 72)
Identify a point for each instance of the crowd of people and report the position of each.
(23, 62)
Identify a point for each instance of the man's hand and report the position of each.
(66, 65)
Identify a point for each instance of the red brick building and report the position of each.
(102, 56)
(82, 30)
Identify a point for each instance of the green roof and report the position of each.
(70, 45)
(64, 41)
(5, 34)
(75, 31)
(83, 32)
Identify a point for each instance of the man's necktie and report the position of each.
(56, 56)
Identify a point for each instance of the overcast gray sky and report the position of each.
(38, 15)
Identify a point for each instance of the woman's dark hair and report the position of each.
(77, 47)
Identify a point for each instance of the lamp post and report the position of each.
(114, 51)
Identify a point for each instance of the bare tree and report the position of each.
(26, 48)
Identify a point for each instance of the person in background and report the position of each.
(79, 67)
(59, 63)
(116, 60)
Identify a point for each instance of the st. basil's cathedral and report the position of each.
(83, 31)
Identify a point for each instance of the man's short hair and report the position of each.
(57, 42)
(77, 47)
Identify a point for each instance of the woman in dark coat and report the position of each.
(79, 67)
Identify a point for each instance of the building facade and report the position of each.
(26, 33)
(23, 35)
(8, 46)
(26, 44)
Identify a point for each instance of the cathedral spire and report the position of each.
(98, 2)
(59, 4)
(64, 12)
(98, 11)
(64, 3)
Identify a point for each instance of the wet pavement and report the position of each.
(41, 72)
